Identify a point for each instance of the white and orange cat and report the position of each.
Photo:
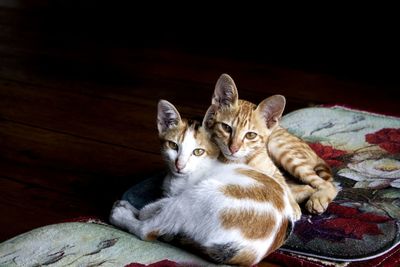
(251, 134)
(233, 213)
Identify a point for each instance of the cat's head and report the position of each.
(238, 127)
(186, 146)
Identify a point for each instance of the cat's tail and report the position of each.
(324, 171)
(231, 253)
(217, 253)
(221, 253)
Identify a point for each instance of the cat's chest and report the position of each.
(177, 185)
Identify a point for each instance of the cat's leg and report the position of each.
(301, 192)
(165, 221)
(325, 191)
(151, 209)
(123, 217)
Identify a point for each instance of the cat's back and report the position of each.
(251, 209)
(236, 185)
(230, 174)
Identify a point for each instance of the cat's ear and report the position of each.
(271, 109)
(208, 120)
(167, 116)
(225, 93)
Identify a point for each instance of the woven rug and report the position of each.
(361, 226)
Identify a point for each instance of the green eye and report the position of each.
(251, 135)
(226, 127)
(198, 152)
(172, 145)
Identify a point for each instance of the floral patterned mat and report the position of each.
(363, 150)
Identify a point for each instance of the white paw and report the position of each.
(317, 203)
(122, 212)
(127, 205)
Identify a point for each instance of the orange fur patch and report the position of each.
(280, 237)
(257, 193)
(269, 189)
(251, 224)
(153, 235)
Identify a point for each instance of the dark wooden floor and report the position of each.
(78, 95)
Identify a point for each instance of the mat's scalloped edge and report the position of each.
(388, 258)
(342, 259)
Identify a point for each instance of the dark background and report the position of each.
(80, 80)
(358, 43)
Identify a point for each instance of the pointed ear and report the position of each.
(208, 120)
(271, 109)
(225, 93)
(167, 116)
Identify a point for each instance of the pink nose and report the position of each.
(234, 148)
(179, 165)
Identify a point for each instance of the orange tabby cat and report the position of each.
(243, 130)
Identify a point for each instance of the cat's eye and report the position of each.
(251, 135)
(226, 127)
(172, 145)
(198, 152)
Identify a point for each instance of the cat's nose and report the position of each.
(179, 165)
(234, 148)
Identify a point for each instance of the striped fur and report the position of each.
(230, 213)
(229, 121)
(298, 159)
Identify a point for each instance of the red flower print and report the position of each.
(328, 153)
(387, 139)
(353, 223)
(339, 223)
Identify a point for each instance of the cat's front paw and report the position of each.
(318, 203)
(121, 212)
